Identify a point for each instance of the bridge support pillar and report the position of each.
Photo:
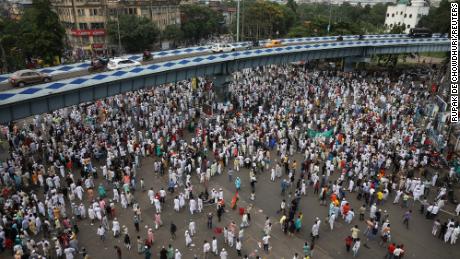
(220, 86)
(348, 64)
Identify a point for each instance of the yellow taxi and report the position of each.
(273, 43)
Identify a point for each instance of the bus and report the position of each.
(420, 33)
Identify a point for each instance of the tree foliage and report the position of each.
(173, 33)
(41, 34)
(37, 35)
(136, 33)
(344, 19)
(199, 22)
(265, 19)
(437, 19)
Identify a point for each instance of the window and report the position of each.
(113, 11)
(388, 15)
(83, 26)
(408, 26)
(405, 15)
(131, 10)
(81, 12)
(392, 15)
(93, 12)
(98, 39)
(401, 13)
(97, 25)
(410, 15)
(85, 39)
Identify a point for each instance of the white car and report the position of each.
(222, 47)
(119, 63)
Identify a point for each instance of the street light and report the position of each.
(238, 21)
(118, 30)
(330, 16)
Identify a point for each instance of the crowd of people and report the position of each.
(324, 133)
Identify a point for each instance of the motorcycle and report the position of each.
(147, 56)
(98, 64)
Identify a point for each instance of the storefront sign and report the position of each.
(96, 32)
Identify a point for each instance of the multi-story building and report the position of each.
(351, 2)
(14, 9)
(86, 21)
(406, 13)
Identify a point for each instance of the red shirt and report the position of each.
(391, 248)
(349, 241)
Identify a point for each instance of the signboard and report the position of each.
(97, 45)
(95, 32)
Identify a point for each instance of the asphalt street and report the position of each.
(418, 241)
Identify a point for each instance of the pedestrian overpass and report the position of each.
(20, 103)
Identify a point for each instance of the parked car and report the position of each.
(273, 43)
(27, 76)
(118, 63)
(222, 47)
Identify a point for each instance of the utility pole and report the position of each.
(238, 21)
(330, 16)
(118, 31)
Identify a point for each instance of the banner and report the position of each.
(316, 134)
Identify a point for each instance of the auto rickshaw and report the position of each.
(98, 64)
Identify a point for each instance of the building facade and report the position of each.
(351, 2)
(406, 13)
(86, 21)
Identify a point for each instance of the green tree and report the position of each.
(438, 18)
(41, 34)
(292, 5)
(392, 59)
(136, 33)
(345, 19)
(173, 33)
(199, 22)
(264, 19)
(11, 56)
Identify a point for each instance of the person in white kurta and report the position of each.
(116, 195)
(332, 220)
(200, 204)
(454, 236)
(272, 175)
(115, 227)
(192, 205)
(192, 228)
(351, 185)
(79, 192)
(223, 254)
(188, 239)
(157, 205)
(214, 246)
(176, 204)
(177, 255)
(181, 200)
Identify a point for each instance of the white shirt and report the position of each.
(265, 239)
(206, 247)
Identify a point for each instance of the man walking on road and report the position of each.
(406, 218)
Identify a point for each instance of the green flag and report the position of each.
(316, 134)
